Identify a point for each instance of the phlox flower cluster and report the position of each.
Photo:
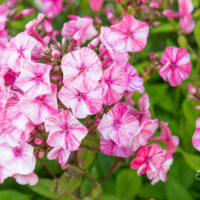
(53, 94)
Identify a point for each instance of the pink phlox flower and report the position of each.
(145, 131)
(176, 65)
(148, 160)
(18, 158)
(96, 4)
(4, 39)
(60, 154)
(65, 131)
(83, 102)
(114, 47)
(81, 68)
(30, 179)
(40, 107)
(115, 80)
(52, 7)
(18, 51)
(196, 136)
(161, 173)
(135, 83)
(131, 33)
(155, 3)
(186, 22)
(34, 80)
(118, 125)
(81, 29)
(3, 16)
(109, 147)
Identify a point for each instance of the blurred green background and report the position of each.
(172, 105)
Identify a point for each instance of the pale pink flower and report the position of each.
(3, 16)
(186, 21)
(148, 160)
(40, 107)
(115, 50)
(80, 28)
(161, 173)
(135, 83)
(81, 68)
(115, 80)
(19, 51)
(83, 102)
(34, 80)
(109, 147)
(196, 136)
(155, 3)
(60, 154)
(30, 179)
(145, 131)
(18, 158)
(65, 131)
(52, 7)
(131, 32)
(143, 113)
(96, 4)
(3, 42)
(118, 125)
(177, 65)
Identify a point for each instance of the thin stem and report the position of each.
(47, 168)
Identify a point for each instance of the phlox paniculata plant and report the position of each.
(55, 93)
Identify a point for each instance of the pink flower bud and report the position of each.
(63, 167)
(38, 141)
(98, 20)
(197, 107)
(152, 55)
(55, 53)
(24, 13)
(41, 154)
(93, 44)
(191, 89)
(48, 27)
(56, 68)
(156, 23)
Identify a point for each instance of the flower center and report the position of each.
(80, 95)
(17, 151)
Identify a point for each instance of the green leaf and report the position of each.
(189, 112)
(67, 184)
(197, 33)
(96, 191)
(182, 41)
(128, 178)
(13, 195)
(110, 197)
(86, 158)
(163, 28)
(192, 160)
(196, 3)
(156, 191)
(43, 188)
(175, 190)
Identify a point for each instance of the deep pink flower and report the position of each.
(131, 32)
(115, 80)
(118, 125)
(52, 7)
(19, 51)
(161, 173)
(196, 136)
(148, 160)
(81, 69)
(109, 147)
(186, 21)
(40, 107)
(3, 16)
(34, 80)
(81, 29)
(65, 131)
(96, 4)
(82, 102)
(113, 49)
(60, 154)
(145, 131)
(17, 158)
(135, 83)
(177, 65)
(30, 179)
